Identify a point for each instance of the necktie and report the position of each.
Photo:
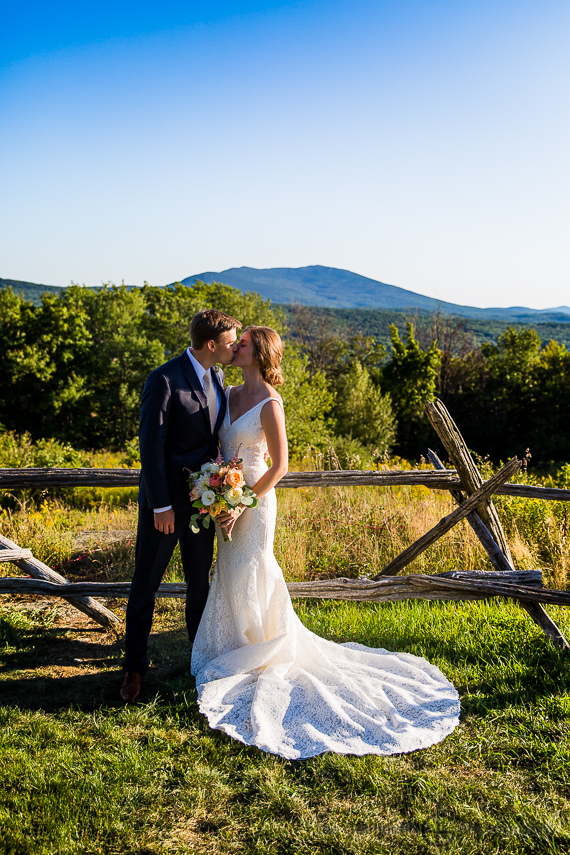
(212, 399)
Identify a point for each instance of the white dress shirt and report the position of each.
(200, 371)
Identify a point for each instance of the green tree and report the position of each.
(167, 316)
(307, 401)
(16, 358)
(512, 360)
(411, 378)
(507, 395)
(170, 310)
(362, 412)
(42, 351)
(122, 355)
(549, 435)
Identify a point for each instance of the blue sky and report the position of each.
(424, 144)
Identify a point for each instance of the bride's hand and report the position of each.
(228, 520)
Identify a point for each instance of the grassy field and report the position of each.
(81, 774)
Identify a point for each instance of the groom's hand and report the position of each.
(164, 521)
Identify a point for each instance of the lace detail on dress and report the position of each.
(265, 680)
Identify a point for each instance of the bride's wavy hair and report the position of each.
(268, 353)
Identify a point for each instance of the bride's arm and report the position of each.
(273, 424)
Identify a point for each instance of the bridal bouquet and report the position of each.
(217, 488)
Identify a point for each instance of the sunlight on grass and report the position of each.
(81, 774)
(155, 778)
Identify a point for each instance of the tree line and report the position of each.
(507, 396)
(72, 368)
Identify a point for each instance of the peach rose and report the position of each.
(234, 478)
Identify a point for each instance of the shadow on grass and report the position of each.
(49, 669)
(50, 672)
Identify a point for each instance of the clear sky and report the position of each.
(424, 144)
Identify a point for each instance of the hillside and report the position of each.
(376, 322)
(342, 289)
(29, 290)
(354, 300)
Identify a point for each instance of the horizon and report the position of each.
(422, 144)
(261, 269)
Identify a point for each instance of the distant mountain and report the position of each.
(334, 288)
(330, 287)
(29, 290)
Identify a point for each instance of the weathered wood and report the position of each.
(547, 625)
(517, 577)
(15, 554)
(21, 585)
(528, 491)
(455, 585)
(42, 572)
(15, 479)
(455, 446)
(496, 555)
(550, 596)
(499, 560)
(39, 478)
(447, 523)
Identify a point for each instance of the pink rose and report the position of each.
(215, 481)
(204, 510)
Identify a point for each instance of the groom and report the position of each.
(182, 408)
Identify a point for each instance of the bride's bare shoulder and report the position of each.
(268, 410)
(273, 393)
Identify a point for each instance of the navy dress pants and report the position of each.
(152, 555)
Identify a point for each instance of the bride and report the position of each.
(262, 677)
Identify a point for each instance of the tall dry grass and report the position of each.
(321, 533)
(356, 531)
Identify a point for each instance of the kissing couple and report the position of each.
(261, 676)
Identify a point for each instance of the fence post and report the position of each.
(456, 447)
(39, 570)
(499, 561)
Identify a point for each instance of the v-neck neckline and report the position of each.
(269, 398)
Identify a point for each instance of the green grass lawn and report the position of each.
(82, 774)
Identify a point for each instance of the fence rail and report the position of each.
(17, 479)
(525, 586)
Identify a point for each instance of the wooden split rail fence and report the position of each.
(470, 491)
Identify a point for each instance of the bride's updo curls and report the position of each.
(267, 352)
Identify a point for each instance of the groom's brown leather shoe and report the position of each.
(131, 690)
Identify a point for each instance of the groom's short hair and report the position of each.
(208, 325)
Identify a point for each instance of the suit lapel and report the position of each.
(196, 386)
(223, 404)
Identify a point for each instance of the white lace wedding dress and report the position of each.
(266, 680)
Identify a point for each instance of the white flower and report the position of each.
(209, 467)
(208, 497)
(204, 481)
(233, 495)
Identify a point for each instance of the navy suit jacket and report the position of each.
(175, 432)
